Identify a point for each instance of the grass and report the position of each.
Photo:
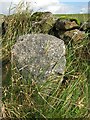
(1, 20)
(54, 98)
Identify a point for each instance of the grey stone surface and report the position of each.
(39, 55)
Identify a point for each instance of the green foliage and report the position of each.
(16, 24)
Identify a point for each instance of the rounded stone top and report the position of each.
(39, 55)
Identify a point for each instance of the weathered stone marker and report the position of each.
(39, 55)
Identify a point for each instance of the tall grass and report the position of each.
(54, 98)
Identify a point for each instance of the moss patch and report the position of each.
(70, 18)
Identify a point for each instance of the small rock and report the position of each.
(65, 24)
(75, 35)
(42, 22)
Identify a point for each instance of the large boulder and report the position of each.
(39, 55)
(42, 22)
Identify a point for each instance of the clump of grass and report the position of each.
(54, 98)
(16, 24)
